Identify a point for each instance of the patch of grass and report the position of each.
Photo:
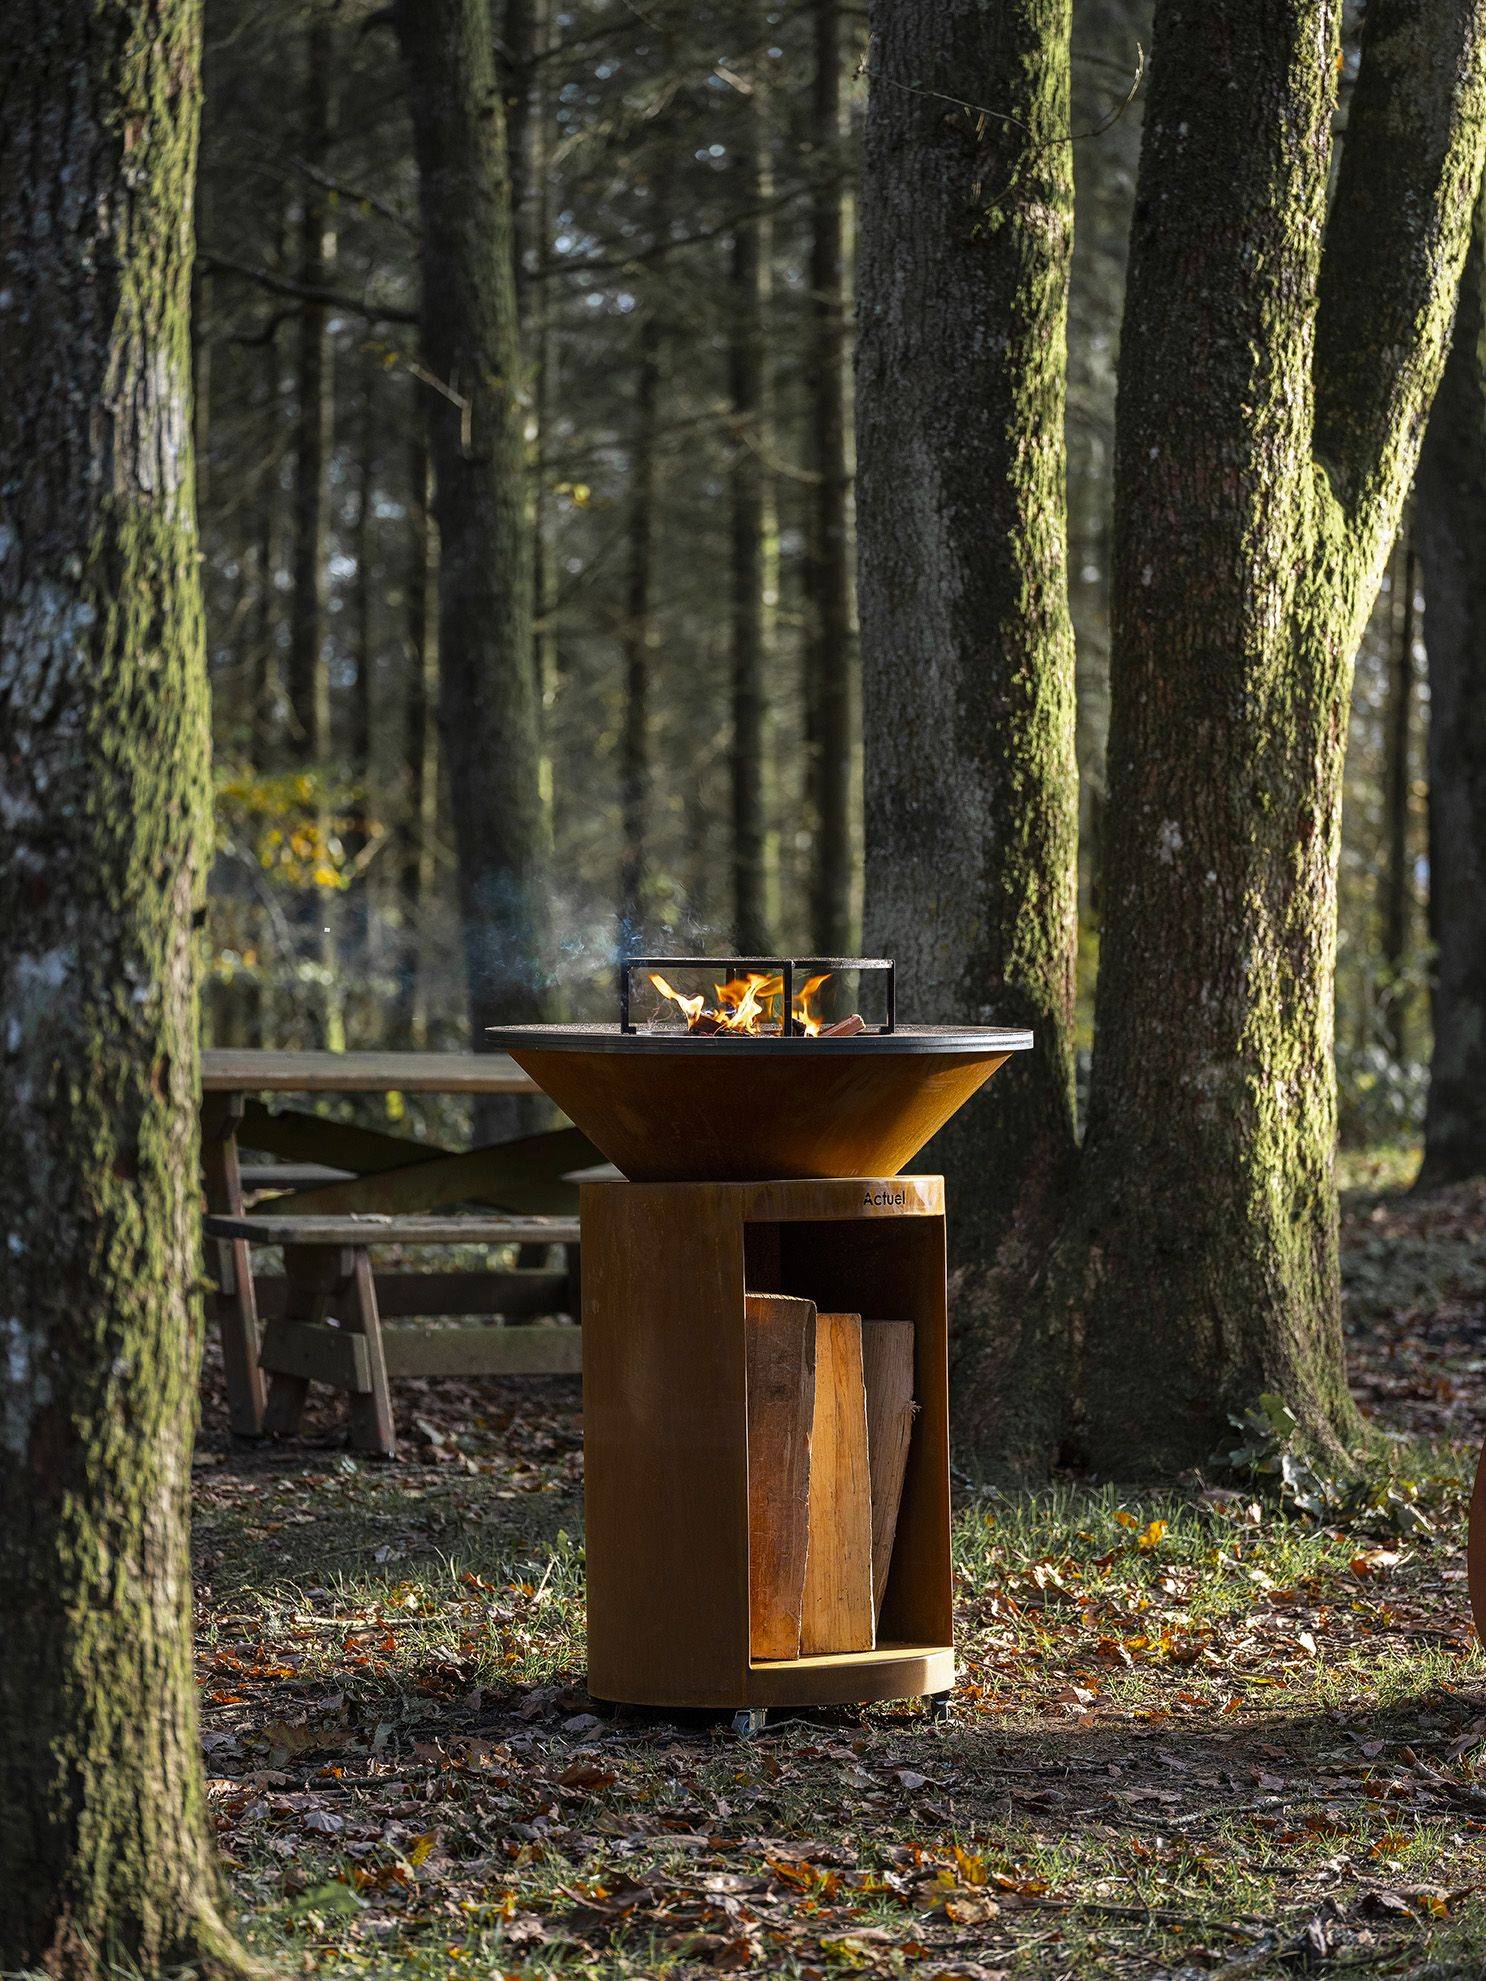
(1147, 1767)
(1193, 1732)
(1390, 1166)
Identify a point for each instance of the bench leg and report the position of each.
(235, 1309)
(285, 1405)
(371, 1413)
(312, 1274)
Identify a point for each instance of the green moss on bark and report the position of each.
(104, 1859)
(967, 643)
(1271, 396)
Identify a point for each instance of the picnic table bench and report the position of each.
(328, 1270)
(341, 1190)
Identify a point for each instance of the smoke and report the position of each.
(374, 950)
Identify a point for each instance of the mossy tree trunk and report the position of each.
(1450, 507)
(751, 519)
(1272, 391)
(831, 655)
(314, 414)
(104, 1862)
(488, 714)
(967, 645)
(639, 639)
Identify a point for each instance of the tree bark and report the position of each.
(267, 676)
(748, 382)
(528, 27)
(967, 645)
(104, 1860)
(1270, 400)
(1451, 522)
(1396, 887)
(476, 409)
(831, 649)
(363, 704)
(309, 676)
(638, 643)
(421, 743)
(523, 24)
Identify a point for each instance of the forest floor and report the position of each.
(1194, 1733)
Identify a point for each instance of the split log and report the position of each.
(887, 1367)
(838, 1612)
(844, 1028)
(781, 1405)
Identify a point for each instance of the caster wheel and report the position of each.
(939, 1706)
(750, 1721)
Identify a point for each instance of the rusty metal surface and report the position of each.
(914, 1039)
(693, 1109)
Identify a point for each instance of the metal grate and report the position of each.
(784, 967)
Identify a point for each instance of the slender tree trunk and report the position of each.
(544, 348)
(268, 685)
(488, 708)
(104, 1861)
(264, 730)
(421, 744)
(1269, 401)
(1397, 882)
(526, 39)
(967, 644)
(356, 909)
(201, 354)
(363, 704)
(752, 510)
(1451, 514)
(639, 640)
(830, 651)
(266, 727)
(522, 30)
(309, 678)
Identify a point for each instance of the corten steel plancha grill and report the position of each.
(764, 1332)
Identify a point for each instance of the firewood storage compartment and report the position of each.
(765, 1387)
(667, 1271)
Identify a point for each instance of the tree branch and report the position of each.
(280, 285)
(1395, 242)
(657, 250)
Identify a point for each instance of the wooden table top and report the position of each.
(368, 1228)
(230, 1070)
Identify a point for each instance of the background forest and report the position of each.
(648, 498)
(683, 259)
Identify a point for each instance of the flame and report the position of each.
(745, 1004)
(809, 1023)
(692, 1006)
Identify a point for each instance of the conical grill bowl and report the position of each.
(667, 1108)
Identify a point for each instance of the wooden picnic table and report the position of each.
(229, 1069)
(375, 1171)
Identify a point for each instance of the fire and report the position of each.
(746, 1004)
(692, 1006)
(809, 1024)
